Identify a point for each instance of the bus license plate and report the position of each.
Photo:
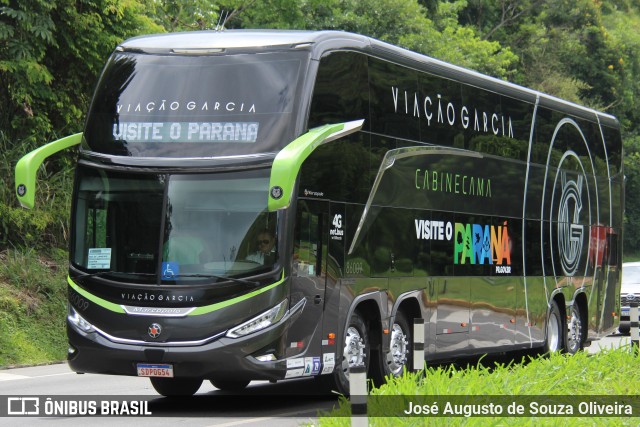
(152, 370)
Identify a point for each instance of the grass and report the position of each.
(558, 377)
(32, 307)
(631, 256)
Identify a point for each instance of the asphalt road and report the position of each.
(612, 341)
(288, 403)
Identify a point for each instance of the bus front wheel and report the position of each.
(170, 387)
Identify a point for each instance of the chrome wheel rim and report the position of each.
(353, 350)
(553, 333)
(398, 350)
(575, 331)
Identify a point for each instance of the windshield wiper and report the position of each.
(100, 273)
(173, 276)
(211, 276)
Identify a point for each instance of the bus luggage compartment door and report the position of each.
(452, 318)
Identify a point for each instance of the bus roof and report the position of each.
(321, 42)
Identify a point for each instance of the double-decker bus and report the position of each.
(265, 205)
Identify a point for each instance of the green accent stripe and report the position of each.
(97, 300)
(213, 307)
(289, 160)
(28, 165)
(197, 312)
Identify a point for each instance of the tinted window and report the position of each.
(182, 106)
(214, 225)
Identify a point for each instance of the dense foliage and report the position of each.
(51, 53)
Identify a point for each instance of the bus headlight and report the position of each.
(261, 321)
(78, 321)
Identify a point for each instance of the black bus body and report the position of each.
(491, 211)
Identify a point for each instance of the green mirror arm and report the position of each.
(288, 161)
(28, 166)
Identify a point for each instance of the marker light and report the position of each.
(260, 322)
(78, 321)
(198, 51)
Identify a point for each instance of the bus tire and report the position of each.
(554, 335)
(354, 353)
(399, 354)
(176, 386)
(575, 330)
(229, 385)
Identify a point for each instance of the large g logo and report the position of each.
(568, 212)
(570, 231)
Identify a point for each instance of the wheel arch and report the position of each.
(370, 307)
(580, 299)
(409, 304)
(558, 297)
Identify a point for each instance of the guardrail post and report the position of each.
(418, 344)
(633, 325)
(358, 395)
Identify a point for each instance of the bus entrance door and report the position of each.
(309, 277)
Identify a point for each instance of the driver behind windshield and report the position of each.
(266, 248)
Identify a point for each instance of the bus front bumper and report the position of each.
(225, 358)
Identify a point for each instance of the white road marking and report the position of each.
(13, 377)
(261, 420)
(10, 377)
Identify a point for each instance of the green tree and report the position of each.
(51, 53)
(180, 15)
(563, 46)
(432, 29)
(632, 201)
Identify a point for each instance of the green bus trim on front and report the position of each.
(289, 160)
(27, 167)
(198, 311)
(97, 300)
(217, 306)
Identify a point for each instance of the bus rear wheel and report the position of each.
(554, 338)
(575, 330)
(170, 387)
(399, 354)
(355, 353)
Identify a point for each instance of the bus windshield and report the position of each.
(172, 229)
(180, 106)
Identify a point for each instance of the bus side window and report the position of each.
(307, 242)
(92, 230)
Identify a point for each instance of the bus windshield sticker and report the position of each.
(242, 132)
(99, 258)
(170, 270)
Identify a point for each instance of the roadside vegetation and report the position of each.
(609, 373)
(52, 52)
(32, 307)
